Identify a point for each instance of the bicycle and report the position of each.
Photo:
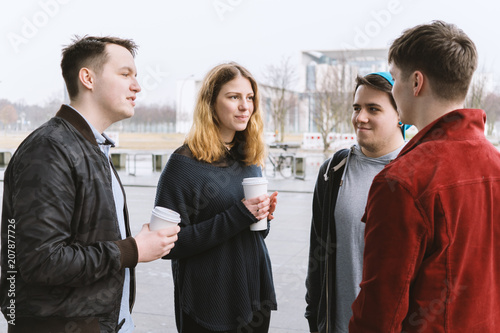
(283, 162)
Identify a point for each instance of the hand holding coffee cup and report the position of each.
(152, 245)
(156, 240)
(257, 201)
(162, 218)
(259, 206)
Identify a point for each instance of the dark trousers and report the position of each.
(259, 324)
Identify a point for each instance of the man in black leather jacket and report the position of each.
(67, 254)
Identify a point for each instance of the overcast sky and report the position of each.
(179, 39)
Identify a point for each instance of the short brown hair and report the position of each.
(441, 51)
(377, 82)
(88, 51)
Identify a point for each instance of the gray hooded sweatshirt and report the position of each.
(353, 194)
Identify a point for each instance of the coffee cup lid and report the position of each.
(166, 213)
(254, 181)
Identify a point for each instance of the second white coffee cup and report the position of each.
(254, 187)
(162, 218)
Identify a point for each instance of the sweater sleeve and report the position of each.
(129, 254)
(316, 255)
(186, 197)
(395, 241)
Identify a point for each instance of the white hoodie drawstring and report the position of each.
(338, 166)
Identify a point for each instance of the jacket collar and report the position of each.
(77, 121)
(461, 124)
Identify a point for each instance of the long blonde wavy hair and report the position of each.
(204, 139)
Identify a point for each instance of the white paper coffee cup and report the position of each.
(254, 187)
(162, 218)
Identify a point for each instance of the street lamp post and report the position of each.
(180, 112)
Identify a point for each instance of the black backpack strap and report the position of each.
(338, 160)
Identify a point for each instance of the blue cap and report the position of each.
(385, 75)
(388, 77)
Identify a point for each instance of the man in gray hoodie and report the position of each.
(341, 192)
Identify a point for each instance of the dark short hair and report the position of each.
(441, 51)
(88, 51)
(377, 82)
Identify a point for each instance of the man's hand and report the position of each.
(153, 245)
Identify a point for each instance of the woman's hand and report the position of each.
(262, 206)
(258, 206)
(272, 205)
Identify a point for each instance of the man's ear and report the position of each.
(86, 77)
(418, 82)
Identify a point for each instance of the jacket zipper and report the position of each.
(327, 297)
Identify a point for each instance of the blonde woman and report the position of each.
(221, 269)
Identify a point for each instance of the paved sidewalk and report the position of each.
(287, 244)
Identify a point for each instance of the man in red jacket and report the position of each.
(432, 237)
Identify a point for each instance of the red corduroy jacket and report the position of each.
(432, 237)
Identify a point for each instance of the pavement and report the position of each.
(288, 245)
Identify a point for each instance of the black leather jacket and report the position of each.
(58, 209)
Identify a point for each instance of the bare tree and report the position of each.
(149, 118)
(280, 80)
(8, 115)
(492, 108)
(35, 114)
(479, 98)
(332, 100)
(477, 92)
